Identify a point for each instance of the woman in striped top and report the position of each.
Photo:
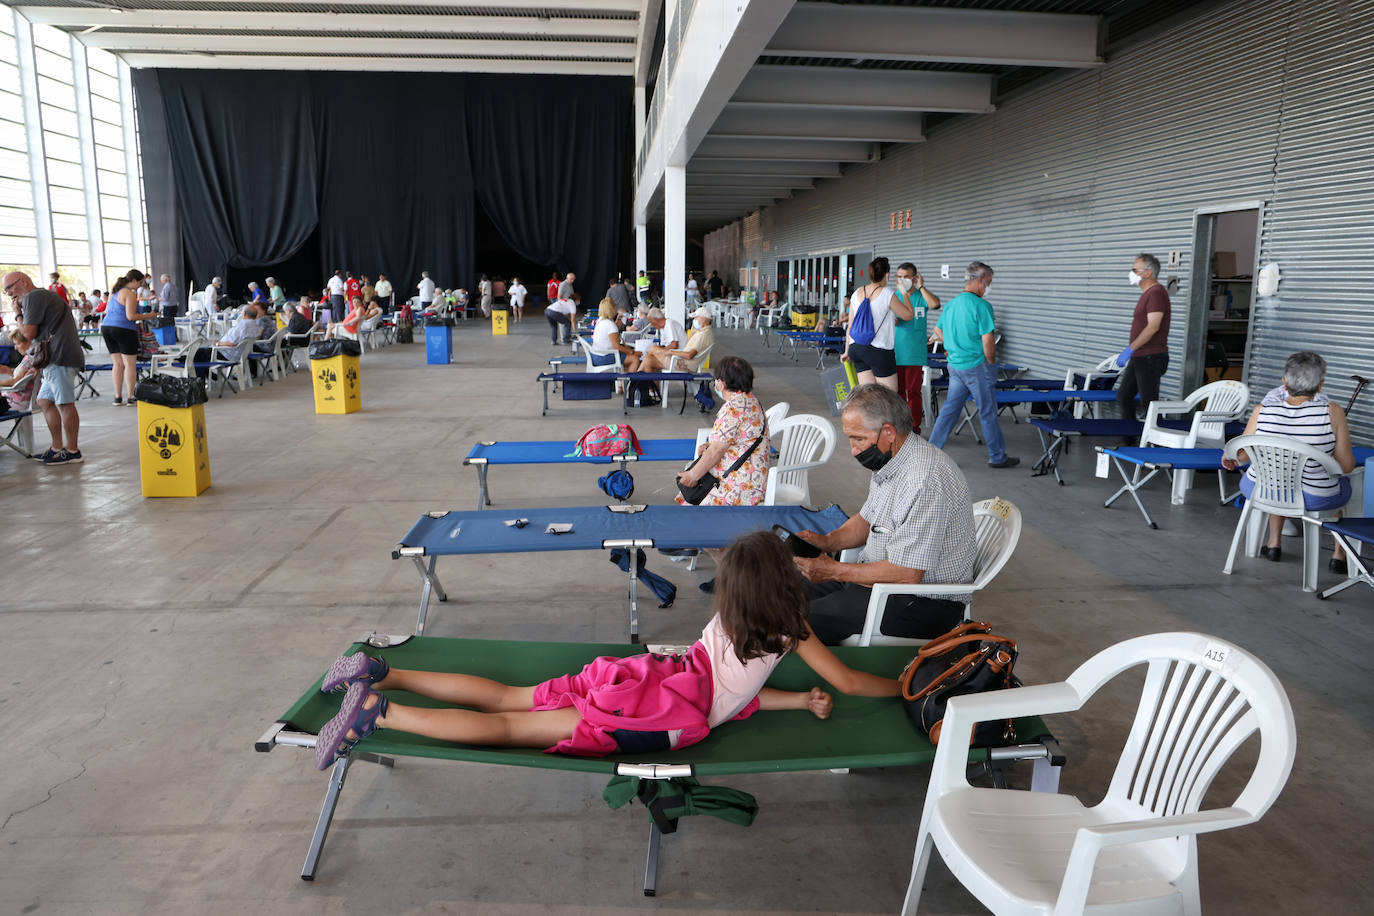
(1300, 411)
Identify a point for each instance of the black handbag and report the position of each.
(695, 493)
(967, 659)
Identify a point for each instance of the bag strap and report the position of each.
(741, 459)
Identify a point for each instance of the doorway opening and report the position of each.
(1222, 294)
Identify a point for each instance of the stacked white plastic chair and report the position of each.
(1226, 402)
(804, 441)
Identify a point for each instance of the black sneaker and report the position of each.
(49, 455)
(709, 586)
(117, 402)
(1007, 462)
(73, 457)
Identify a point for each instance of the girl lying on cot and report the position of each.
(643, 703)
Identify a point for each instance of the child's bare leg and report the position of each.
(460, 689)
(541, 729)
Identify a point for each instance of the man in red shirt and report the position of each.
(56, 287)
(1146, 357)
(553, 287)
(353, 287)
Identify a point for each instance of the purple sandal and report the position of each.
(355, 667)
(333, 741)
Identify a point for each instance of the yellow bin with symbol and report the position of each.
(173, 453)
(337, 375)
(500, 320)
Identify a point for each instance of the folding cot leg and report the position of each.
(331, 801)
(431, 586)
(483, 494)
(1357, 571)
(634, 600)
(545, 410)
(651, 861)
(1131, 488)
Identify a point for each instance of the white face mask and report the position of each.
(904, 284)
(1134, 278)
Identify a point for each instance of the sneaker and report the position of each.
(117, 402)
(49, 455)
(1007, 462)
(73, 457)
(55, 457)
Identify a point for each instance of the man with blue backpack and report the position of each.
(966, 327)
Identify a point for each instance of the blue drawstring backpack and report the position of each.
(861, 329)
(618, 484)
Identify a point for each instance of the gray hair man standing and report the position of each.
(1146, 357)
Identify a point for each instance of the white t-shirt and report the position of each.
(672, 335)
(337, 286)
(880, 303)
(562, 306)
(211, 297)
(426, 289)
(517, 295)
(601, 335)
(734, 683)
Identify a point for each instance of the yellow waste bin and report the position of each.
(804, 317)
(334, 366)
(281, 320)
(174, 455)
(500, 321)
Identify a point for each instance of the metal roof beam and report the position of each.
(842, 87)
(746, 168)
(751, 148)
(745, 183)
(840, 124)
(917, 33)
(360, 46)
(535, 7)
(164, 21)
(139, 60)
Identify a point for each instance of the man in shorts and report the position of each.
(45, 316)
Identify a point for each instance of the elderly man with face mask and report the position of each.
(915, 527)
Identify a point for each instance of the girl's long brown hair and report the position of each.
(761, 597)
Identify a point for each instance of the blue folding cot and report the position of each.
(1352, 532)
(600, 386)
(453, 533)
(486, 454)
(1061, 429)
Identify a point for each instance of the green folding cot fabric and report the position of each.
(860, 733)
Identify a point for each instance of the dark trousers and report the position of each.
(336, 307)
(1141, 376)
(557, 320)
(838, 610)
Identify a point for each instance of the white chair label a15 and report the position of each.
(1215, 656)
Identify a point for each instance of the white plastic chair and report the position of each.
(1278, 462)
(997, 529)
(679, 363)
(1105, 369)
(589, 351)
(804, 441)
(229, 370)
(1226, 402)
(367, 333)
(179, 361)
(1136, 851)
(773, 416)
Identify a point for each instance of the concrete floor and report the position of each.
(151, 641)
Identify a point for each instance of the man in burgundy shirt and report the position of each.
(1146, 357)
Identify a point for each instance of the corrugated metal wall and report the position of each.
(1065, 184)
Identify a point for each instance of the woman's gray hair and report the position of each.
(875, 405)
(977, 270)
(1303, 373)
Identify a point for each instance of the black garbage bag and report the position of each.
(325, 349)
(661, 587)
(441, 321)
(170, 391)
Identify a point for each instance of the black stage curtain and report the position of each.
(553, 164)
(387, 168)
(245, 163)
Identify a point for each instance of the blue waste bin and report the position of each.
(167, 336)
(438, 344)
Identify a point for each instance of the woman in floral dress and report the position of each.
(738, 424)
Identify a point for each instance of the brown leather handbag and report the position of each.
(967, 659)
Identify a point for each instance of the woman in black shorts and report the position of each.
(873, 359)
(120, 330)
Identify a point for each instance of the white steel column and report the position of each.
(639, 119)
(85, 132)
(133, 175)
(675, 242)
(641, 248)
(38, 159)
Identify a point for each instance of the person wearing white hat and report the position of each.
(692, 354)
